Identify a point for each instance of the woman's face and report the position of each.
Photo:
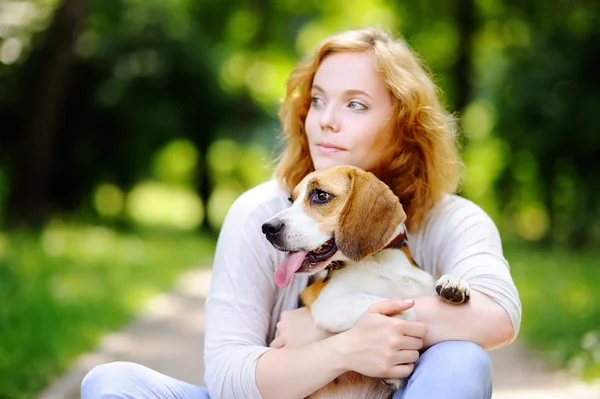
(350, 106)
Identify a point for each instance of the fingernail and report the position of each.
(409, 301)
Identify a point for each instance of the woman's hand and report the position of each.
(297, 328)
(382, 346)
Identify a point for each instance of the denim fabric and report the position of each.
(454, 369)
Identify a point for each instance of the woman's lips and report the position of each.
(329, 149)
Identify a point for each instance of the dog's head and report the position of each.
(338, 213)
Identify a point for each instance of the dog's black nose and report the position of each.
(271, 228)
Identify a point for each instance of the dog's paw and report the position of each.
(394, 383)
(453, 290)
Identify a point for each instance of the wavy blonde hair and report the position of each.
(422, 163)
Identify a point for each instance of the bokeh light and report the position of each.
(108, 200)
(157, 204)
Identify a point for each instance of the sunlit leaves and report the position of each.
(485, 161)
(108, 200)
(479, 119)
(234, 168)
(223, 156)
(438, 44)
(171, 200)
(266, 78)
(157, 204)
(341, 15)
(243, 26)
(531, 221)
(233, 70)
(222, 197)
(19, 21)
(10, 51)
(177, 162)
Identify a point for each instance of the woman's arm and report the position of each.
(459, 238)
(242, 296)
(371, 347)
(481, 320)
(296, 372)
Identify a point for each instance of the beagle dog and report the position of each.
(346, 227)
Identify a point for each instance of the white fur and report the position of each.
(301, 232)
(351, 290)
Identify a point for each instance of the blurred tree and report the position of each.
(547, 114)
(46, 88)
(520, 75)
(465, 21)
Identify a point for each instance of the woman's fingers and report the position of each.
(391, 306)
(409, 343)
(400, 371)
(412, 328)
(406, 357)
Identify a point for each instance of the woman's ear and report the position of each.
(369, 217)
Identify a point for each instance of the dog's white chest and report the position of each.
(351, 291)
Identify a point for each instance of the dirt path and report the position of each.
(167, 336)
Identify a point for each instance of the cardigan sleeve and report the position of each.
(459, 238)
(243, 293)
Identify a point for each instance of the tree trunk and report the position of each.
(44, 106)
(465, 18)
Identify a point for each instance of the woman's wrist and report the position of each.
(422, 309)
(481, 320)
(340, 355)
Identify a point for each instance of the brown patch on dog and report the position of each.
(295, 192)
(409, 256)
(369, 217)
(310, 293)
(352, 385)
(353, 214)
(333, 182)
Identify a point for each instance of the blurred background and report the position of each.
(128, 128)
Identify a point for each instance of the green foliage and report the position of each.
(62, 289)
(561, 304)
(156, 83)
(535, 73)
(169, 114)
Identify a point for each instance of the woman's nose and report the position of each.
(329, 120)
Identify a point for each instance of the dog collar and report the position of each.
(398, 242)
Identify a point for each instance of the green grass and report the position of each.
(62, 289)
(560, 292)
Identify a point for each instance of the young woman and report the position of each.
(362, 99)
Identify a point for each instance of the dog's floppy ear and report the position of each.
(370, 216)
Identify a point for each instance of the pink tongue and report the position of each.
(291, 263)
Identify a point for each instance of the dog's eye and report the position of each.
(320, 196)
(290, 199)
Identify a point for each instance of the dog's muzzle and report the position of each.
(272, 231)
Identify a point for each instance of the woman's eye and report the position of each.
(320, 196)
(357, 106)
(316, 101)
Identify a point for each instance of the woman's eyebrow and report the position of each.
(358, 92)
(351, 92)
(318, 88)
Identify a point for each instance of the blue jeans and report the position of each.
(454, 369)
